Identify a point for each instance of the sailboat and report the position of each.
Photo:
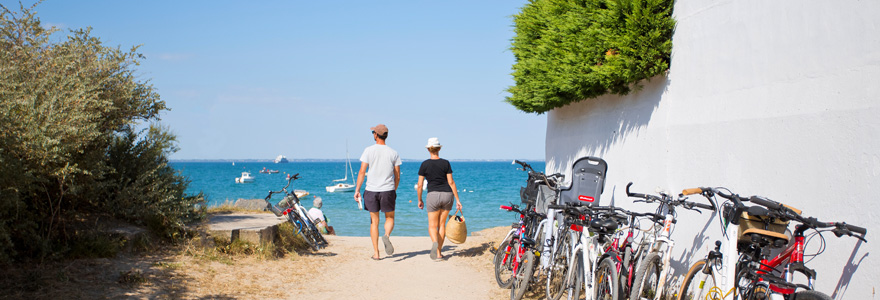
(343, 185)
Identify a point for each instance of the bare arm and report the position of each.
(454, 190)
(357, 187)
(396, 176)
(419, 191)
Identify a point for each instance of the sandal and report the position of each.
(434, 250)
(389, 249)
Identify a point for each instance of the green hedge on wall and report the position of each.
(568, 50)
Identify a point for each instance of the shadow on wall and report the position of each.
(592, 126)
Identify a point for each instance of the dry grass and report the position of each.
(238, 206)
(196, 268)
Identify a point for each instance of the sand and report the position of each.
(344, 270)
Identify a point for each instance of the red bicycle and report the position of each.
(761, 228)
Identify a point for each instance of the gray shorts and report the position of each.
(439, 201)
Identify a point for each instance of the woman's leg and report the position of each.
(442, 216)
(433, 220)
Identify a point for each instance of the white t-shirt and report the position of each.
(382, 160)
(316, 215)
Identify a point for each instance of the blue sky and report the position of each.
(251, 80)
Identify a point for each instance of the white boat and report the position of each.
(300, 193)
(424, 186)
(343, 185)
(280, 159)
(246, 177)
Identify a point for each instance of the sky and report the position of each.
(255, 79)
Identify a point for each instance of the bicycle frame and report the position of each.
(590, 259)
(794, 254)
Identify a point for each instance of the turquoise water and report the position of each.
(483, 186)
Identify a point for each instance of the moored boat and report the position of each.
(246, 177)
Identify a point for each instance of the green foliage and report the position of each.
(68, 153)
(571, 50)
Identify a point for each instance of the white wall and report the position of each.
(772, 98)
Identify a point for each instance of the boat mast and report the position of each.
(347, 160)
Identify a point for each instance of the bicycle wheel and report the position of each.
(810, 295)
(574, 278)
(311, 230)
(303, 230)
(558, 268)
(503, 263)
(698, 285)
(317, 236)
(607, 285)
(647, 278)
(522, 276)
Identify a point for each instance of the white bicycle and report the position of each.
(653, 265)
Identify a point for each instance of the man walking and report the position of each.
(380, 192)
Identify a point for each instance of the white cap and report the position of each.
(433, 143)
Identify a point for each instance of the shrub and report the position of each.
(69, 155)
(571, 50)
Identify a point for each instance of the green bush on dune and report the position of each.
(70, 155)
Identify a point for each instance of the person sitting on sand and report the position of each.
(319, 218)
(441, 190)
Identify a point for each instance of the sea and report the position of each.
(483, 186)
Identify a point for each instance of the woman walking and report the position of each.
(441, 191)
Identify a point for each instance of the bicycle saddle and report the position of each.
(604, 226)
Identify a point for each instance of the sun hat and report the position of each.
(317, 203)
(380, 129)
(433, 143)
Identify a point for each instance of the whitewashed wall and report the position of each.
(773, 98)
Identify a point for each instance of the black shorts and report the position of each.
(376, 201)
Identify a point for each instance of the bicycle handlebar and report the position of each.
(284, 189)
(700, 205)
(670, 201)
(649, 198)
(783, 211)
(526, 166)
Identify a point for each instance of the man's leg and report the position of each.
(374, 233)
(389, 222)
(388, 203)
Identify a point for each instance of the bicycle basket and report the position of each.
(587, 181)
(529, 193)
(748, 221)
(546, 196)
(284, 204)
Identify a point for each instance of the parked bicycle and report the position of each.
(588, 269)
(525, 237)
(654, 250)
(297, 215)
(759, 228)
(519, 255)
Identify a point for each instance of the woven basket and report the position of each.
(456, 229)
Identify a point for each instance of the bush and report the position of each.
(571, 50)
(68, 152)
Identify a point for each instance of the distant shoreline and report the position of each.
(341, 160)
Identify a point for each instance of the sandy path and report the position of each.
(349, 273)
(344, 270)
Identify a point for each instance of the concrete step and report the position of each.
(255, 228)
